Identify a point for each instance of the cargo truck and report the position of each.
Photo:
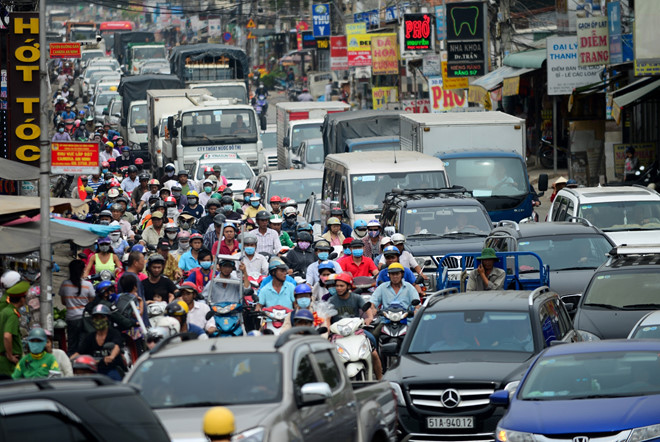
(482, 151)
(338, 129)
(299, 121)
(139, 53)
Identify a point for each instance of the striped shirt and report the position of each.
(74, 302)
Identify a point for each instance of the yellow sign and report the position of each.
(356, 28)
(511, 86)
(384, 54)
(383, 95)
(251, 24)
(479, 95)
(453, 83)
(359, 49)
(250, 35)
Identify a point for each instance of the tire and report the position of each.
(546, 157)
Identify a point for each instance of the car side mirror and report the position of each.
(543, 182)
(286, 142)
(154, 131)
(315, 393)
(116, 115)
(389, 349)
(170, 124)
(177, 124)
(500, 398)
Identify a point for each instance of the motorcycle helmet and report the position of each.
(327, 265)
(176, 308)
(275, 199)
(334, 221)
(187, 285)
(10, 279)
(139, 161)
(132, 169)
(289, 211)
(359, 224)
(304, 315)
(154, 182)
(275, 264)
(85, 362)
(305, 237)
(155, 258)
(101, 309)
(192, 193)
(302, 289)
(398, 238)
(182, 172)
(263, 215)
(103, 287)
(391, 250)
(218, 422)
(345, 277)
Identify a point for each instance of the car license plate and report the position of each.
(454, 276)
(450, 422)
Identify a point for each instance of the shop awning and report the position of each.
(526, 60)
(14, 170)
(494, 79)
(506, 76)
(10, 204)
(25, 237)
(623, 100)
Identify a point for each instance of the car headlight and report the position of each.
(644, 433)
(343, 353)
(504, 435)
(398, 392)
(511, 387)
(251, 435)
(365, 350)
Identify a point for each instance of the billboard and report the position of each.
(593, 41)
(564, 71)
(359, 50)
(465, 39)
(338, 53)
(384, 54)
(417, 32)
(321, 20)
(443, 100)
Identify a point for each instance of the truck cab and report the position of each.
(138, 53)
(136, 130)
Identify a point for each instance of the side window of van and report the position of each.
(336, 187)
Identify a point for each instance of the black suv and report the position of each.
(572, 250)
(621, 292)
(436, 222)
(461, 348)
(89, 408)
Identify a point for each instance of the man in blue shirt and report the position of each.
(391, 256)
(279, 291)
(396, 291)
(188, 260)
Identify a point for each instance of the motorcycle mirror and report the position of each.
(366, 306)
(322, 330)
(209, 314)
(333, 256)
(543, 182)
(248, 292)
(415, 302)
(286, 142)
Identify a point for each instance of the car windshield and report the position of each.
(231, 171)
(564, 252)
(473, 330)
(445, 220)
(315, 154)
(225, 92)
(144, 53)
(219, 126)
(155, 68)
(88, 55)
(623, 215)
(296, 189)
(97, 72)
(302, 132)
(487, 177)
(593, 375)
(369, 190)
(112, 64)
(651, 331)
(115, 107)
(139, 115)
(625, 290)
(219, 379)
(104, 99)
(269, 139)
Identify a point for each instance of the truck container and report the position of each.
(298, 121)
(483, 152)
(206, 62)
(161, 104)
(338, 129)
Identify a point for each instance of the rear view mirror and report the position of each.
(543, 182)
(170, 124)
(500, 397)
(286, 142)
(315, 393)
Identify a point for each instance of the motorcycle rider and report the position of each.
(81, 133)
(254, 208)
(157, 283)
(117, 242)
(181, 200)
(188, 260)
(104, 290)
(204, 222)
(290, 224)
(319, 290)
(278, 291)
(117, 212)
(129, 183)
(192, 206)
(125, 159)
(227, 206)
(268, 241)
(301, 256)
(178, 310)
(275, 205)
(358, 264)
(255, 263)
(276, 224)
(169, 173)
(396, 290)
(197, 310)
(61, 135)
(227, 244)
(372, 241)
(334, 235)
(186, 184)
(360, 229)
(219, 291)
(183, 241)
(153, 186)
(214, 234)
(38, 363)
(322, 249)
(108, 152)
(391, 255)
(172, 210)
(138, 192)
(151, 234)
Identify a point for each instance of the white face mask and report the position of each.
(171, 235)
(115, 237)
(184, 245)
(172, 212)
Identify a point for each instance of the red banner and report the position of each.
(338, 53)
(74, 158)
(65, 50)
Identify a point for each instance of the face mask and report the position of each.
(358, 253)
(60, 130)
(332, 291)
(323, 256)
(303, 245)
(374, 233)
(254, 203)
(246, 198)
(172, 212)
(208, 189)
(36, 347)
(250, 250)
(347, 251)
(227, 208)
(176, 193)
(171, 235)
(304, 302)
(205, 265)
(184, 225)
(115, 237)
(192, 201)
(170, 173)
(105, 170)
(184, 245)
(104, 248)
(100, 324)
(360, 233)
(125, 154)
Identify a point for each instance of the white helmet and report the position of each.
(10, 279)
(398, 238)
(373, 223)
(289, 211)
(171, 324)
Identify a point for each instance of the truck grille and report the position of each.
(451, 398)
(454, 262)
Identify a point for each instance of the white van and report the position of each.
(359, 180)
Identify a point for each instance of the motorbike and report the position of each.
(103, 275)
(353, 347)
(364, 286)
(546, 153)
(228, 319)
(277, 314)
(68, 125)
(394, 329)
(156, 312)
(260, 105)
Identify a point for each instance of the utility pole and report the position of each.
(506, 30)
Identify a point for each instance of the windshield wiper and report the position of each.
(464, 234)
(425, 235)
(642, 306)
(606, 306)
(575, 268)
(196, 404)
(522, 272)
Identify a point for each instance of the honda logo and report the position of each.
(450, 399)
(581, 439)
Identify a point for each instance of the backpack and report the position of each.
(123, 304)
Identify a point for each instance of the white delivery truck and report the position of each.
(162, 103)
(217, 127)
(482, 151)
(298, 121)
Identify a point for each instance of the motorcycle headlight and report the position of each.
(365, 350)
(343, 353)
(252, 435)
(504, 435)
(135, 146)
(645, 433)
(345, 330)
(395, 317)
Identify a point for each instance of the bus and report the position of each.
(108, 29)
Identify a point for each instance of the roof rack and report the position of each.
(294, 331)
(402, 195)
(187, 336)
(578, 219)
(641, 249)
(47, 383)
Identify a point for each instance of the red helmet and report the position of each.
(275, 199)
(170, 199)
(85, 362)
(114, 183)
(248, 190)
(286, 199)
(111, 160)
(105, 164)
(189, 285)
(208, 169)
(221, 188)
(345, 277)
(196, 236)
(139, 161)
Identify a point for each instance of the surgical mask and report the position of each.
(60, 130)
(304, 302)
(360, 233)
(254, 203)
(303, 245)
(358, 253)
(332, 291)
(172, 212)
(246, 198)
(205, 265)
(374, 233)
(208, 189)
(171, 235)
(183, 245)
(192, 201)
(170, 173)
(184, 225)
(227, 208)
(36, 347)
(323, 256)
(100, 324)
(104, 248)
(176, 193)
(250, 250)
(347, 251)
(105, 170)
(290, 218)
(115, 237)
(125, 154)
